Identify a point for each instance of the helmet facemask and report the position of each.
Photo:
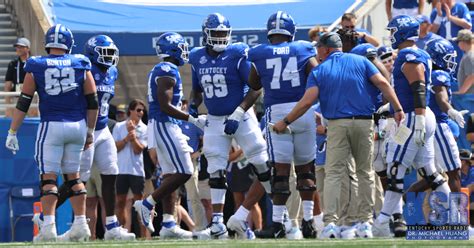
(450, 61)
(108, 56)
(218, 38)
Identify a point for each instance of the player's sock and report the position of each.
(110, 220)
(399, 207)
(308, 210)
(218, 196)
(242, 213)
(80, 219)
(149, 202)
(391, 201)
(168, 220)
(444, 188)
(49, 219)
(278, 211)
(218, 217)
(383, 218)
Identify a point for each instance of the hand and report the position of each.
(132, 135)
(361, 35)
(12, 142)
(232, 122)
(193, 110)
(420, 130)
(383, 108)
(130, 126)
(199, 122)
(399, 117)
(447, 9)
(89, 138)
(458, 116)
(280, 127)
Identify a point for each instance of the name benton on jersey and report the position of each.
(56, 62)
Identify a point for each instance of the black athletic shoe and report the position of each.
(308, 229)
(275, 231)
(399, 226)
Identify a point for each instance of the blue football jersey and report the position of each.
(163, 69)
(223, 79)
(440, 78)
(59, 82)
(401, 84)
(281, 68)
(105, 83)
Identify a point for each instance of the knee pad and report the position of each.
(49, 191)
(302, 183)
(217, 180)
(71, 183)
(262, 171)
(435, 180)
(393, 180)
(280, 185)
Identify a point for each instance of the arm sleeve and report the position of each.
(312, 81)
(10, 71)
(115, 133)
(465, 13)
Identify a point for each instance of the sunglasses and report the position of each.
(139, 110)
(349, 27)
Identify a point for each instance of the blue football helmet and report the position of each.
(281, 23)
(384, 52)
(402, 28)
(366, 49)
(216, 32)
(173, 45)
(442, 54)
(101, 49)
(59, 36)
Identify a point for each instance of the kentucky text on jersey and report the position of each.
(213, 70)
(105, 83)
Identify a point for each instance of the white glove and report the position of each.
(458, 116)
(237, 114)
(420, 130)
(199, 122)
(383, 108)
(12, 142)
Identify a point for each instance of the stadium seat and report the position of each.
(21, 201)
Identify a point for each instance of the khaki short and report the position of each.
(94, 184)
(204, 189)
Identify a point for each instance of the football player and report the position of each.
(220, 72)
(281, 68)
(68, 106)
(412, 77)
(165, 91)
(443, 55)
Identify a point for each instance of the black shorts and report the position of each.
(239, 179)
(125, 182)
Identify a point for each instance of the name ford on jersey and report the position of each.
(106, 88)
(281, 50)
(55, 62)
(213, 70)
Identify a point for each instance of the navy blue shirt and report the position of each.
(194, 133)
(405, 4)
(59, 82)
(344, 85)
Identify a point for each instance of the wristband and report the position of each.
(11, 131)
(286, 121)
(398, 110)
(90, 130)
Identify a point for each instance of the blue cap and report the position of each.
(366, 49)
(422, 19)
(384, 52)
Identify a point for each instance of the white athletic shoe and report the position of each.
(47, 234)
(348, 232)
(331, 231)
(381, 229)
(294, 233)
(318, 224)
(214, 230)
(471, 233)
(118, 233)
(145, 215)
(364, 230)
(175, 232)
(240, 227)
(78, 232)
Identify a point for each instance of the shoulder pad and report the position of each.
(305, 46)
(194, 54)
(165, 69)
(238, 49)
(440, 78)
(254, 52)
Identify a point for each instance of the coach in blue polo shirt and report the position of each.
(342, 83)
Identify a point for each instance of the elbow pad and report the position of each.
(419, 93)
(92, 101)
(23, 103)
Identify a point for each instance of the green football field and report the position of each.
(258, 243)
